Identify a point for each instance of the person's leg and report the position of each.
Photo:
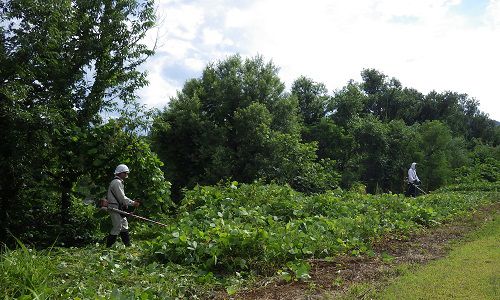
(111, 240)
(125, 238)
(115, 230)
(413, 190)
(124, 232)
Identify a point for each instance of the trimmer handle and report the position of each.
(103, 203)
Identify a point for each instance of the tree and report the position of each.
(435, 168)
(229, 124)
(348, 104)
(65, 62)
(384, 95)
(372, 148)
(313, 99)
(403, 149)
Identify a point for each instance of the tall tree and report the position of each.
(313, 99)
(234, 122)
(436, 148)
(65, 62)
(383, 95)
(348, 104)
(372, 140)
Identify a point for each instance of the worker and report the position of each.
(118, 200)
(413, 180)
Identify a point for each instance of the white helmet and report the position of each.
(121, 168)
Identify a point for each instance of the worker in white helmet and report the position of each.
(118, 200)
(413, 180)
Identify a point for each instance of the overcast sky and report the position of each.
(442, 45)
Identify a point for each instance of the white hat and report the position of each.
(121, 168)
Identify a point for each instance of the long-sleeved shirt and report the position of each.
(412, 175)
(116, 193)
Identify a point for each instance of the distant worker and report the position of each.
(413, 180)
(118, 200)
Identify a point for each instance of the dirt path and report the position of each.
(332, 278)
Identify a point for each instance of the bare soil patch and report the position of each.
(330, 278)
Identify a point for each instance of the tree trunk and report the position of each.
(66, 187)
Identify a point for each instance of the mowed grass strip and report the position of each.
(470, 271)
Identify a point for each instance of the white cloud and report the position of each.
(162, 90)
(184, 21)
(493, 13)
(212, 37)
(177, 49)
(236, 18)
(424, 44)
(195, 64)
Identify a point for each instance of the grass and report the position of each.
(470, 271)
(94, 272)
(25, 274)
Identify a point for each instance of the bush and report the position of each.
(236, 227)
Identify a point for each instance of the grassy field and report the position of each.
(278, 239)
(471, 271)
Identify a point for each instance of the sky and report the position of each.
(441, 45)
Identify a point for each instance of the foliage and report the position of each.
(435, 145)
(236, 228)
(69, 114)
(484, 166)
(25, 274)
(235, 122)
(313, 99)
(84, 273)
(64, 63)
(223, 237)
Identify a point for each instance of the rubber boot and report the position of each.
(111, 240)
(125, 238)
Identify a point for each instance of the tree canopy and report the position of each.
(236, 122)
(65, 65)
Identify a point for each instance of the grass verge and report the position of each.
(470, 271)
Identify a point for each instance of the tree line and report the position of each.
(69, 113)
(238, 122)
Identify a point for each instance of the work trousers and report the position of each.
(120, 224)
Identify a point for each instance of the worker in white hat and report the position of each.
(413, 180)
(118, 200)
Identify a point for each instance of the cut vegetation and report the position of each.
(470, 271)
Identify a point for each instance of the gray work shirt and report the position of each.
(116, 193)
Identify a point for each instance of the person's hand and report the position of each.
(136, 203)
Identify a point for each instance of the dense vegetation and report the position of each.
(65, 65)
(252, 178)
(226, 236)
(237, 122)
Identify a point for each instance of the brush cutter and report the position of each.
(103, 203)
(420, 189)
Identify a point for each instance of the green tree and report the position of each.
(371, 136)
(348, 104)
(435, 169)
(313, 99)
(252, 131)
(384, 95)
(403, 149)
(228, 125)
(63, 64)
